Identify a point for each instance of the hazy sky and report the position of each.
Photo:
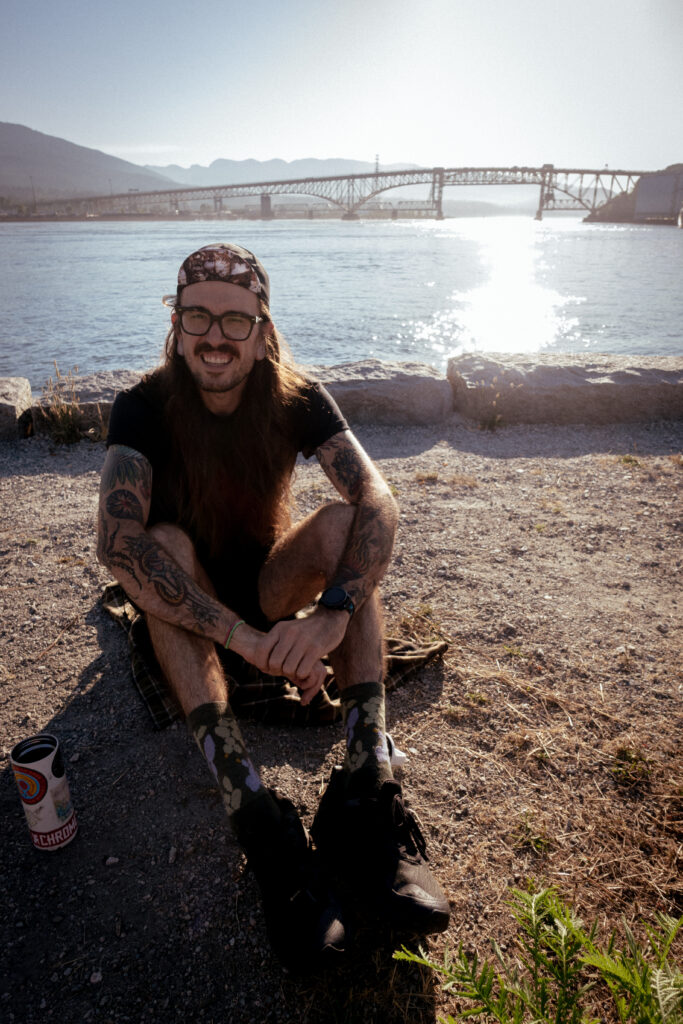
(577, 83)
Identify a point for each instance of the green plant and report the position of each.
(529, 836)
(558, 967)
(631, 768)
(648, 990)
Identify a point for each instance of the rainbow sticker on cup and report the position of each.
(39, 771)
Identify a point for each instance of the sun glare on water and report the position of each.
(512, 311)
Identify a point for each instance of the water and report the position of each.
(89, 294)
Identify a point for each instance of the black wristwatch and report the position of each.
(337, 600)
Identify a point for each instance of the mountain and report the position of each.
(243, 172)
(32, 163)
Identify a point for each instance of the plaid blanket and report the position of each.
(252, 693)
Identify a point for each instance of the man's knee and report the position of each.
(332, 524)
(177, 544)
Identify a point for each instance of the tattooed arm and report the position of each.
(144, 569)
(371, 538)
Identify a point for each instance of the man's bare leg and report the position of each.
(194, 672)
(301, 565)
(371, 846)
(303, 919)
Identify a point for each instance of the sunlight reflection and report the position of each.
(512, 312)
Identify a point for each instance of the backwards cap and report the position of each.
(225, 261)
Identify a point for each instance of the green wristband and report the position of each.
(240, 622)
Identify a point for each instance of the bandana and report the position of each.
(225, 261)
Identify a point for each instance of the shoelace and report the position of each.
(406, 824)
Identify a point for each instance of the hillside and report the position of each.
(240, 172)
(31, 162)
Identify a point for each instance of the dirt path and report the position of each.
(546, 745)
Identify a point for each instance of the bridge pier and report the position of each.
(437, 192)
(546, 189)
(266, 207)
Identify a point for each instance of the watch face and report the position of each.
(336, 598)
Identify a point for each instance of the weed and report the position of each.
(560, 974)
(540, 527)
(512, 651)
(426, 478)
(629, 460)
(492, 422)
(456, 713)
(463, 480)
(476, 697)
(631, 769)
(529, 836)
(61, 409)
(419, 624)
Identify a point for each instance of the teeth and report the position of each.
(216, 359)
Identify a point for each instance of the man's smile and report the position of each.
(218, 357)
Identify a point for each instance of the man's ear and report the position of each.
(261, 347)
(178, 340)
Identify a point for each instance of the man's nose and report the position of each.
(214, 335)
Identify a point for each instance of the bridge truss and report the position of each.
(559, 189)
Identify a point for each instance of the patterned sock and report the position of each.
(218, 736)
(367, 756)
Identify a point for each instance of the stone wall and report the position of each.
(567, 388)
(491, 390)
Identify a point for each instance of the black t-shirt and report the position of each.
(138, 420)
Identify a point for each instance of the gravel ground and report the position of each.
(545, 745)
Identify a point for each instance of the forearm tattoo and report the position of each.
(371, 538)
(367, 552)
(108, 552)
(172, 585)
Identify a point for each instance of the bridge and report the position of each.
(559, 189)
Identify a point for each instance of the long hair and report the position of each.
(232, 474)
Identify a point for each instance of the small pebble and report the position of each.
(96, 977)
(111, 860)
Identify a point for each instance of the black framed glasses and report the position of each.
(234, 326)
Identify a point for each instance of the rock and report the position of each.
(371, 391)
(15, 402)
(566, 388)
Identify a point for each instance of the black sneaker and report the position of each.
(374, 846)
(303, 918)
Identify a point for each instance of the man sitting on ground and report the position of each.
(195, 524)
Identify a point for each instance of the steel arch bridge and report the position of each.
(559, 189)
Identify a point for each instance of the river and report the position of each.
(88, 294)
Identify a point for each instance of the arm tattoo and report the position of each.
(131, 468)
(172, 585)
(124, 504)
(367, 553)
(347, 466)
(108, 553)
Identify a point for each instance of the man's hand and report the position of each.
(295, 648)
